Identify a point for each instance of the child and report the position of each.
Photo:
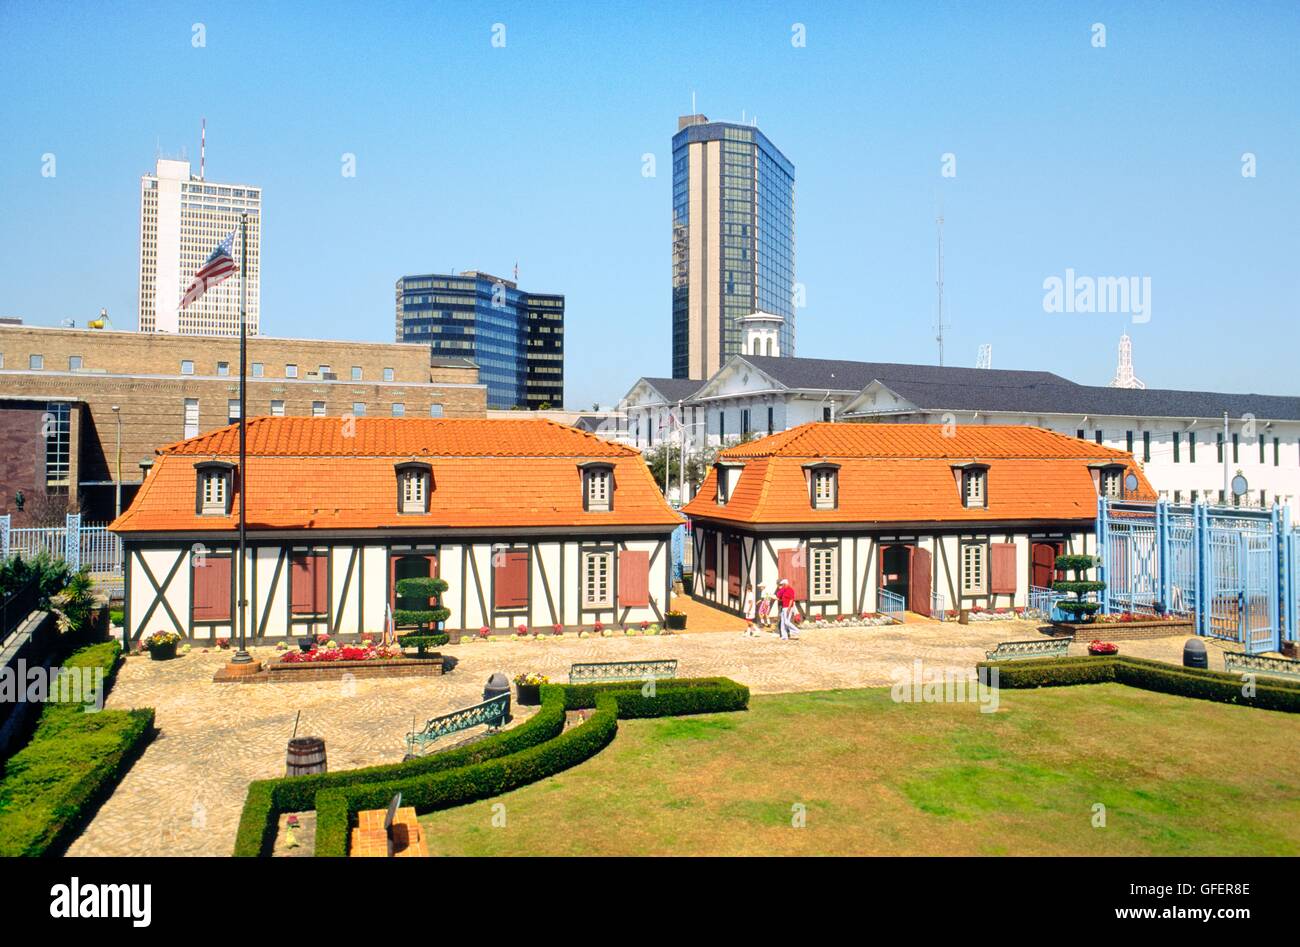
(764, 607)
(750, 608)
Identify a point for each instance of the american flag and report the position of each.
(219, 265)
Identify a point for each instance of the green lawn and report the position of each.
(1177, 777)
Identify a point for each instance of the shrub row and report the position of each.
(510, 759)
(671, 698)
(336, 808)
(267, 799)
(1269, 693)
(73, 761)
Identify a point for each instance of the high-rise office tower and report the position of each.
(182, 219)
(517, 338)
(733, 241)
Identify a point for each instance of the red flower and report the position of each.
(523, 629)
(557, 628)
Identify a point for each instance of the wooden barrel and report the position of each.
(306, 755)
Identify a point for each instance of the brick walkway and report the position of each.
(184, 795)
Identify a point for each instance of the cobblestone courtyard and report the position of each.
(184, 795)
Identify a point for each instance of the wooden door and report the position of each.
(919, 582)
(1043, 565)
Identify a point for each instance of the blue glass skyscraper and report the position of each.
(517, 338)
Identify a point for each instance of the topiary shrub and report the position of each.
(1080, 610)
(424, 620)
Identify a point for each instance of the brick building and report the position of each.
(59, 387)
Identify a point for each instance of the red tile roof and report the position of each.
(321, 473)
(903, 473)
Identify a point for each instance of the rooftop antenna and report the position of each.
(938, 322)
(203, 148)
(1124, 377)
(985, 357)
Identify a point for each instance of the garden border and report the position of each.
(1198, 683)
(539, 748)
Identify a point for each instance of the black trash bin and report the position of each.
(1194, 655)
(496, 685)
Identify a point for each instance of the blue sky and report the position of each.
(1116, 161)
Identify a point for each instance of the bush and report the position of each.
(456, 787)
(1270, 693)
(53, 785)
(268, 798)
(52, 574)
(485, 768)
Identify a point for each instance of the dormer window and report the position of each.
(973, 482)
(414, 484)
(1112, 483)
(728, 474)
(823, 485)
(597, 487)
(212, 496)
(1109, 480)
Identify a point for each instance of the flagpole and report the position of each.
(242, 656)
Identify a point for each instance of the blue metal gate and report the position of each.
(1234, 570)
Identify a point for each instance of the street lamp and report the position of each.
(117, 478)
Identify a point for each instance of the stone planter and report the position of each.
(675, 622)
(528, 695)
(1123, 630)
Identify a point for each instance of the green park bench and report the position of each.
(1038, 648)
(1236, 662)
(622, 671)
(493, 712)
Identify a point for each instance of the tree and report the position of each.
(670, 454)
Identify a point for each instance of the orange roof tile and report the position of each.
(316, 473)
(897, 473)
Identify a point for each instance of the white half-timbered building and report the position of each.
(530, 522)
(947, 518)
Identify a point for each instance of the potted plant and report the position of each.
(675, 621)
(1103, 648)
(1080, 612)
(307, 642)
(528, 688)
(161, 645)
(427, 618)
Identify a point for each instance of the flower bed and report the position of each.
(341, 653)
(865, 620)
(1134, 628)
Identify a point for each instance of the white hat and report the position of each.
(784, 582)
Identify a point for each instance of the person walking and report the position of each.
(785, 598)
(764, 607)
(750, 608)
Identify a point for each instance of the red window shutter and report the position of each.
(320, 585)
(308, 591)
(300, 574)
(212, 590)
(511, 580)
(792, 564)
(733, 569)
(710, 562)
(1002, 571)
(633, 578)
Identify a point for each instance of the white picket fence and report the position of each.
(79, 544)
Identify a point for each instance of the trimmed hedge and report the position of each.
(53, 785)
(514, 758)
(456, 787)
(1270, 693)
(268, 798)
(674, 697)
